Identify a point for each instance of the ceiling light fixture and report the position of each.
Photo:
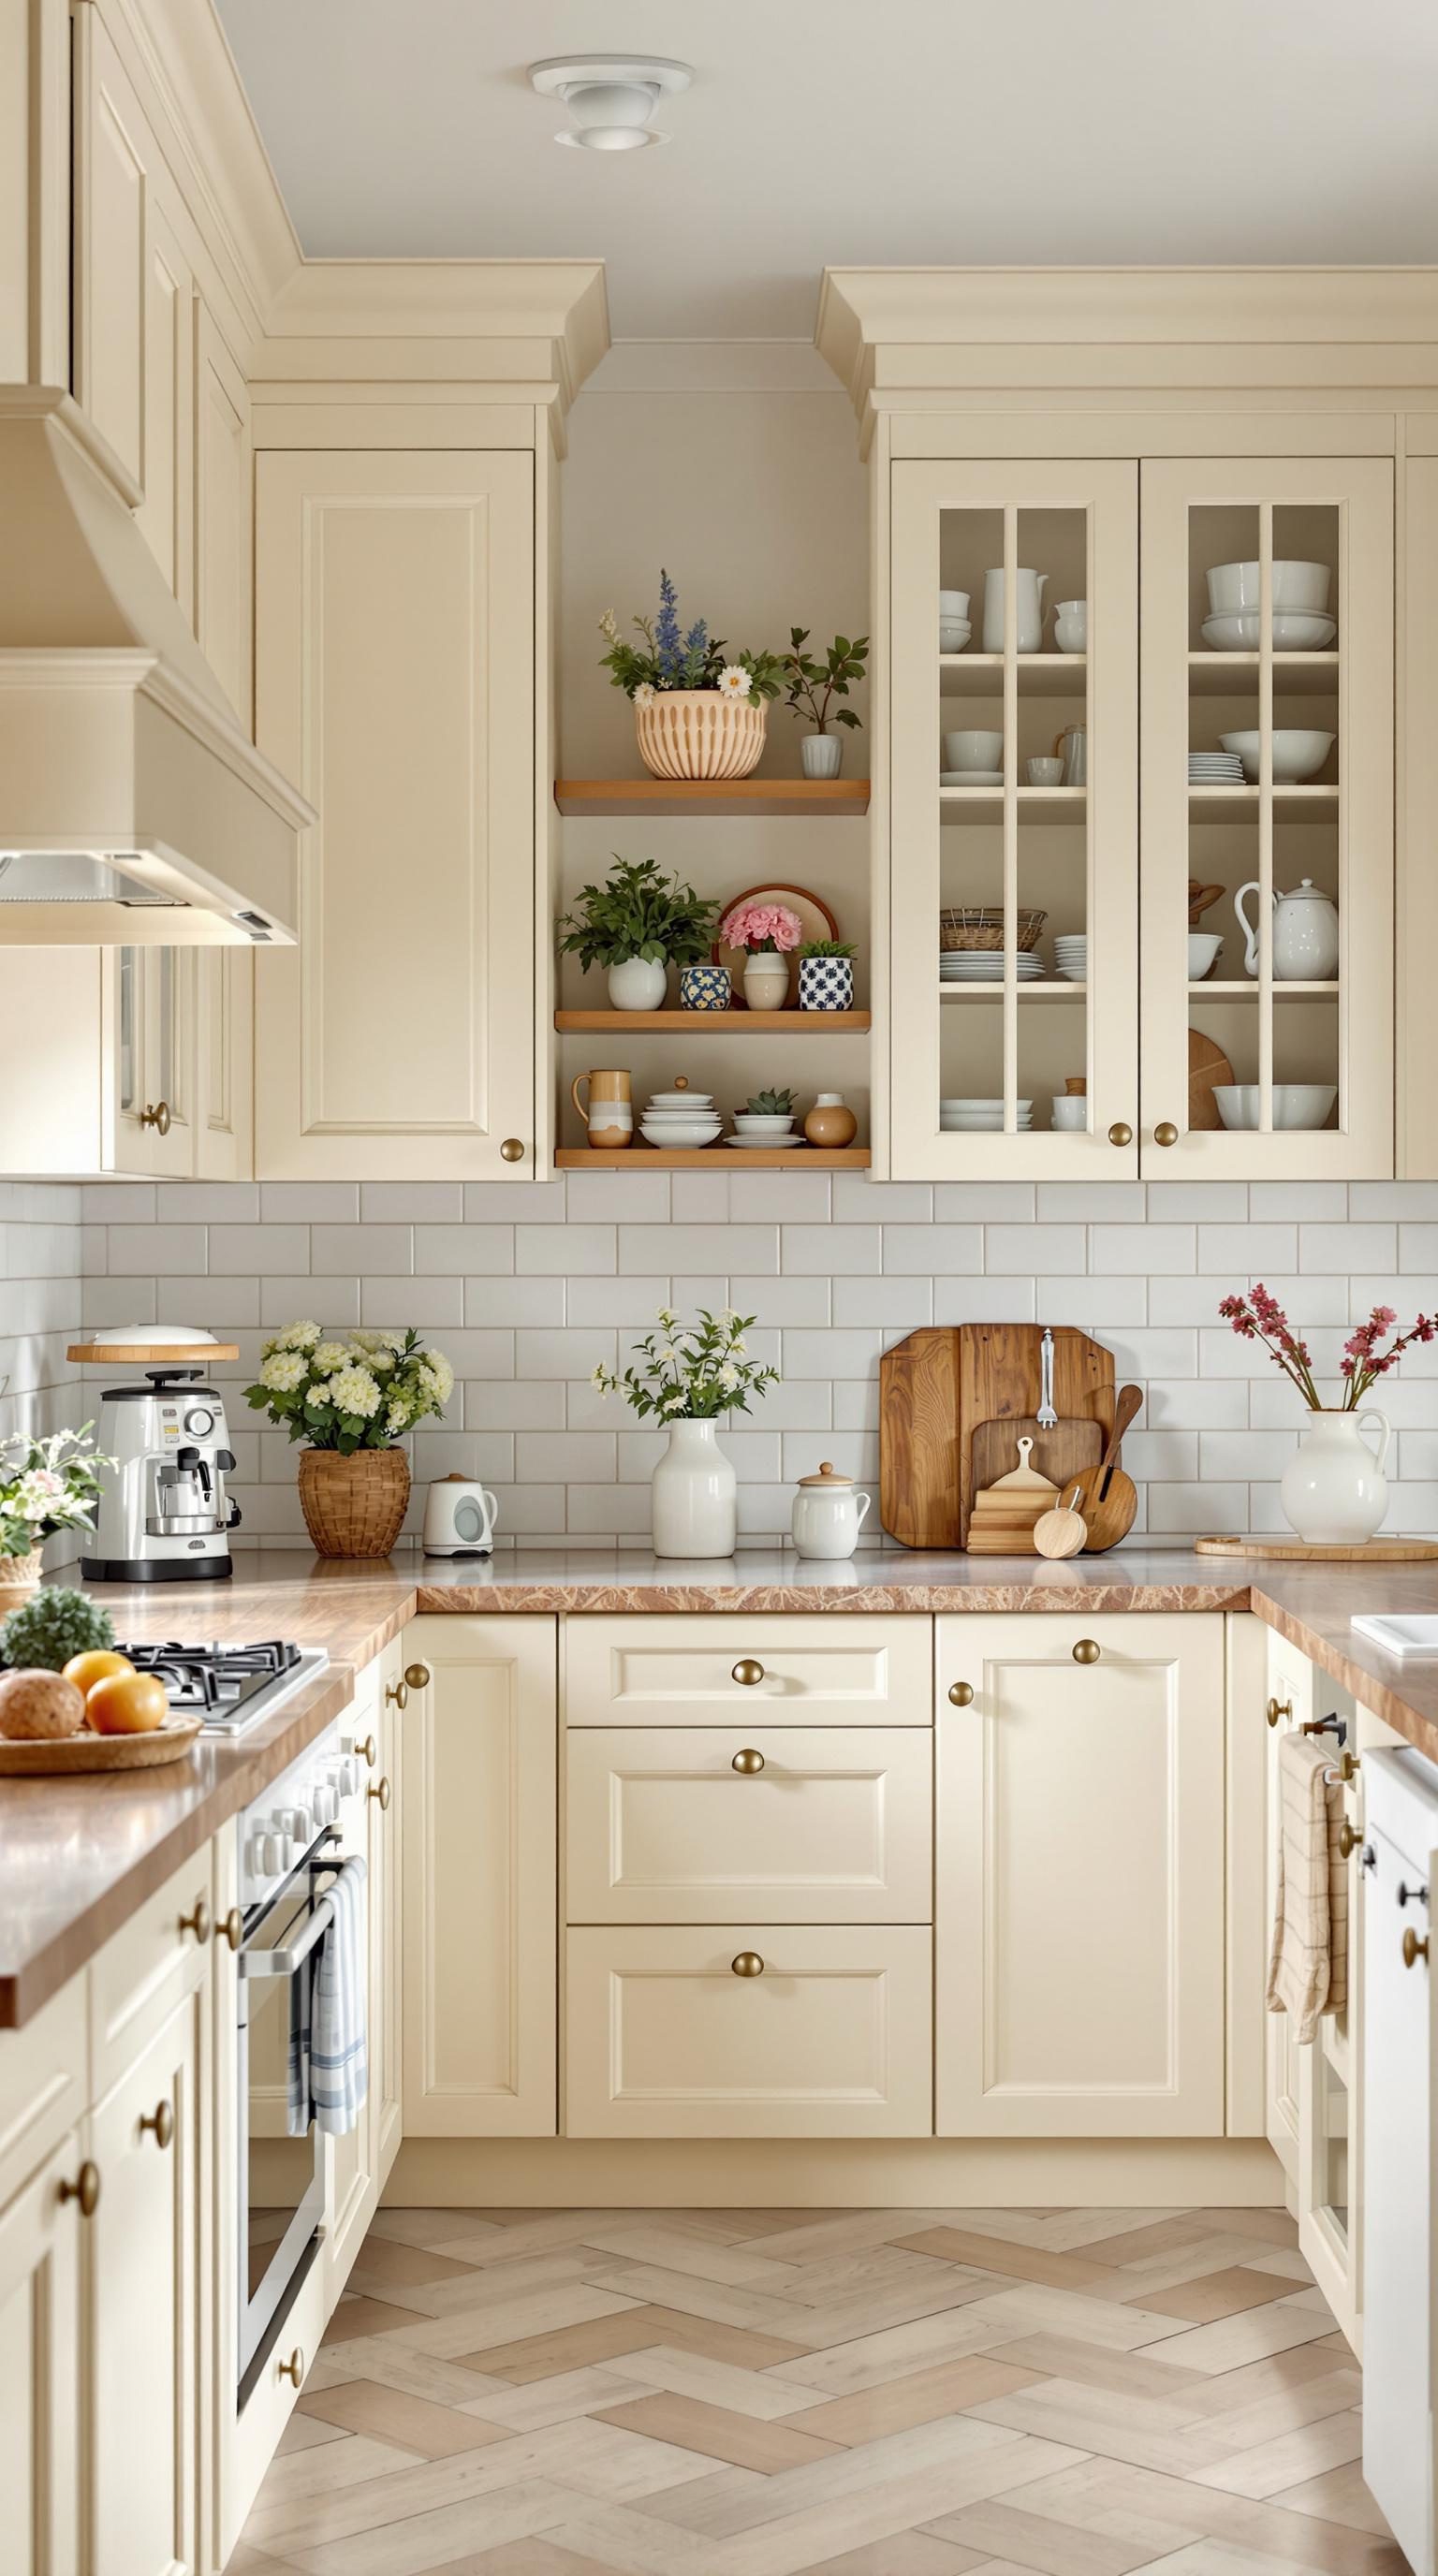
(611, 97)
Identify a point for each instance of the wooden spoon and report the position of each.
(1063, 1531)
(1107, 1498)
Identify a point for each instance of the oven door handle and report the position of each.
(283, 1963)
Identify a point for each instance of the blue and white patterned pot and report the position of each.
(704, 988)
(826, 983)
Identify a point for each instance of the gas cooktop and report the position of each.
(229, 1686)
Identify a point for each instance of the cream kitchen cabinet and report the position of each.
(377, 1736)
(137, 1062)
(395, 680)
(1079, 1913)
(351, 2188)
(40, 2368)
(223, 515)
(480, 1893)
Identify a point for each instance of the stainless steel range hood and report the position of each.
(133, 807)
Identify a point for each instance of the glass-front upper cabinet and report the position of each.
(149, 999)
(1013, 819)
(1267, 817)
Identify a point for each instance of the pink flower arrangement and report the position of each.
(761, 926)
(1259, 1318)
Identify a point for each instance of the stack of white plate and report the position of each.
(1294, 631)
(680, 1120)
(1071, 955)
(985, 966)
(979, 1117)
(1214, 769)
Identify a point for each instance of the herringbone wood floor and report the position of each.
(876, 2393)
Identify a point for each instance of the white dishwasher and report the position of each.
(1401, 1809)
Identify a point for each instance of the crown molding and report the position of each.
(712, 367)
(521, 319)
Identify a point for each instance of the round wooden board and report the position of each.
(1371, 1551)
(814, 913)
(50, 1756)
(151, 1354)
(1207, 1064)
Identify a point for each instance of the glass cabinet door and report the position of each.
(1267, 817)
(150, 997)
(1013, 819)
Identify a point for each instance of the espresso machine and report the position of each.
(163, 1515)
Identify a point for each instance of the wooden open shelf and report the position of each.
(757, 797)
(709, 1158)
(707, 1024)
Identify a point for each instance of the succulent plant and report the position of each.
(55, 1624)
(772, 1104)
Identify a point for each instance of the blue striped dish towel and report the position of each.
(328, 2074)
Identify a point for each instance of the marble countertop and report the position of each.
(76, 1856)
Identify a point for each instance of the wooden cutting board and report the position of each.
(1207, 1064)
(939, 1384)
(1060, 1454)
(1296, 1551)
(1000, 1377)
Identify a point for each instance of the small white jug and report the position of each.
(1305, 934)
(828, 1514)
(1029, 590)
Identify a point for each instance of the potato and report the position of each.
(39, 1704)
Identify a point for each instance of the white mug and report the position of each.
(1070, 1110)
(1046, 773)
(953, 606)
(1071, 626)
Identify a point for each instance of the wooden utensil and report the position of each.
(1200, 898)
(1106, 1497)
(1059, 1454)
(1061, 1532)
(1002, 1520)
(919, 1438)
(1207, 1064)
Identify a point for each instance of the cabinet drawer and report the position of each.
(820, 1824)
(831, 2040)
(140, 1975)
(42, 2084)
(799, 1672)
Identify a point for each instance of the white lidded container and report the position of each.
(828, 1514)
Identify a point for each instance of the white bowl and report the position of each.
(985, 1102)
(1235, 586)
(970, 750)
(679, 1140)
(1299, 751)
(1203, 948)
(1068, 1111)
(681, 1099)
(1295, 1104)
(953, 607)
(1294, 631)
(761, 1122)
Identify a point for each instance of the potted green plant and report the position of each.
(698, 711)
(638, 924)
(826, 975)
(350, 1396)
(48, 1484)
(766, 1118)
(810, 688)
(690, 1374)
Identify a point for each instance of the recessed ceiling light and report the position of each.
(611, 97)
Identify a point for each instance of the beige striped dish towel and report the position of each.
(1308, 1964)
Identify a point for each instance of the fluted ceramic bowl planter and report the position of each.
(354, 1506)
(700, 733)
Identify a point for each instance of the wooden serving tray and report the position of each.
(44, 1757)
(151, 1354)
(1296, 1551)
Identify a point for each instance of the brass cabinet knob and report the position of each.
(398, 1692)
(368, 1751)
(294, 2368)
(747, 1672)
(512, 1150)
(1120, 1133)
(199, 1922)
(157, 1117)
(1087, 1651)
(418, 1676)
(1165, 1133)
(1413, 1948)
(380, 1790)
(159, 2124)
(85, 2188)
(1278, 1708)
(962, 1694)
(748, 1964)
(747, 1760)
(1347, 1840)
(232, 1929)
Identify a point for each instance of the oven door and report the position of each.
(282, 2178)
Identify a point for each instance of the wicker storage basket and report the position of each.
(981, 925)
(20, 1572)
(353, 1506)
(696, 733)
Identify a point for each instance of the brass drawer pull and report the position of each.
(748, 1964)
(1120, 1133)
(85, 2188)
(1278, 1708)
(1165, 1133)
(199, 1922)
(398, 1692)
(380, 1790)
(368, 1751)
(1347, 1840)
(961, 1694)
(747, 1760)
(157, 1117)
(747, 1671)
(232, 1929)
(512, 1150)
(160, 2125)
(418, 1676)
(1087, 1651)
(294, 2368)
(1413, 1948)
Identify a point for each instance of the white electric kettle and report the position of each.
(459, 1518)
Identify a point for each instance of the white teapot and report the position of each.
(828, 1514)
(1305, 934)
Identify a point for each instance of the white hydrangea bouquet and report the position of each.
(358, 1390)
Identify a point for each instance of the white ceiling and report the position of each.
(1027, 131)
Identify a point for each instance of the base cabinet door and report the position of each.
(40, 2371)
(1290, 1704)
(350, 2192)
(769, 2031)
(378, 1739)
(1079, 1935)
(480, 1890)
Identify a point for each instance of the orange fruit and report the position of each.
(94, 1666)
(126, 1704)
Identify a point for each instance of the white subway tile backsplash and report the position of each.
(984, 1202)
(1313, 1201)
(1243, 1253)
(463, 1453)
(1090, 1202)
(310, 1202)
(1057, 1251)
(411, 1202)
(390, 1303)
(933, 1251)
(1418, 1247)
(608, 1510)
(551, 1456)
(986, 1301)
(541, 1250)
(699, 1198)
(1143, 1251)
(1093, 1305)
(207, 1202)
(829, 1251)
(1154, 1353)
(782, 1301)
(790, 1197)
(630, 1198)
(1187, 1510)
(335, 1303)
(1198, 1202)
(1170, 1457)
(1246, 1453)
(1347, 1247)
(259, 1250)
(118, 1202)
(856, 1405)
(526, 1301)
(472, 1250)
(1412, 1202)
(347, 1251)
(575, 1351)
(859, 1201)
(498, 1404)
(811, 1404)
(854, 1453)
(220, 1305)
(138, 1251)
(705, 1248)
(509, 1202)
(901, 1301)
(831, 1355)
(119, 1301)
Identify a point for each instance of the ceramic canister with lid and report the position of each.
(828, 1513)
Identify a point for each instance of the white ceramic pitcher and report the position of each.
(1333, 1489)
(1029, 588)
(1305, 934)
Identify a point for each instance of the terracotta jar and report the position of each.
(831, 1121)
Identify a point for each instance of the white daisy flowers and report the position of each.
(733, 681)
(645, 694)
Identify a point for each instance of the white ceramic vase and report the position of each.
(822, 754)
(1334, 1491)
(766, 980)
(693, 1507)
(639, 984)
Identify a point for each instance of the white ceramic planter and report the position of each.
(696, 733)
(822, 754)
(693, 1506)
(1334, 1492)
(766, 981)
(638, 985)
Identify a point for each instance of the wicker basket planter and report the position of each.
(697, 733)
(20, 1573)
(354, 1506)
